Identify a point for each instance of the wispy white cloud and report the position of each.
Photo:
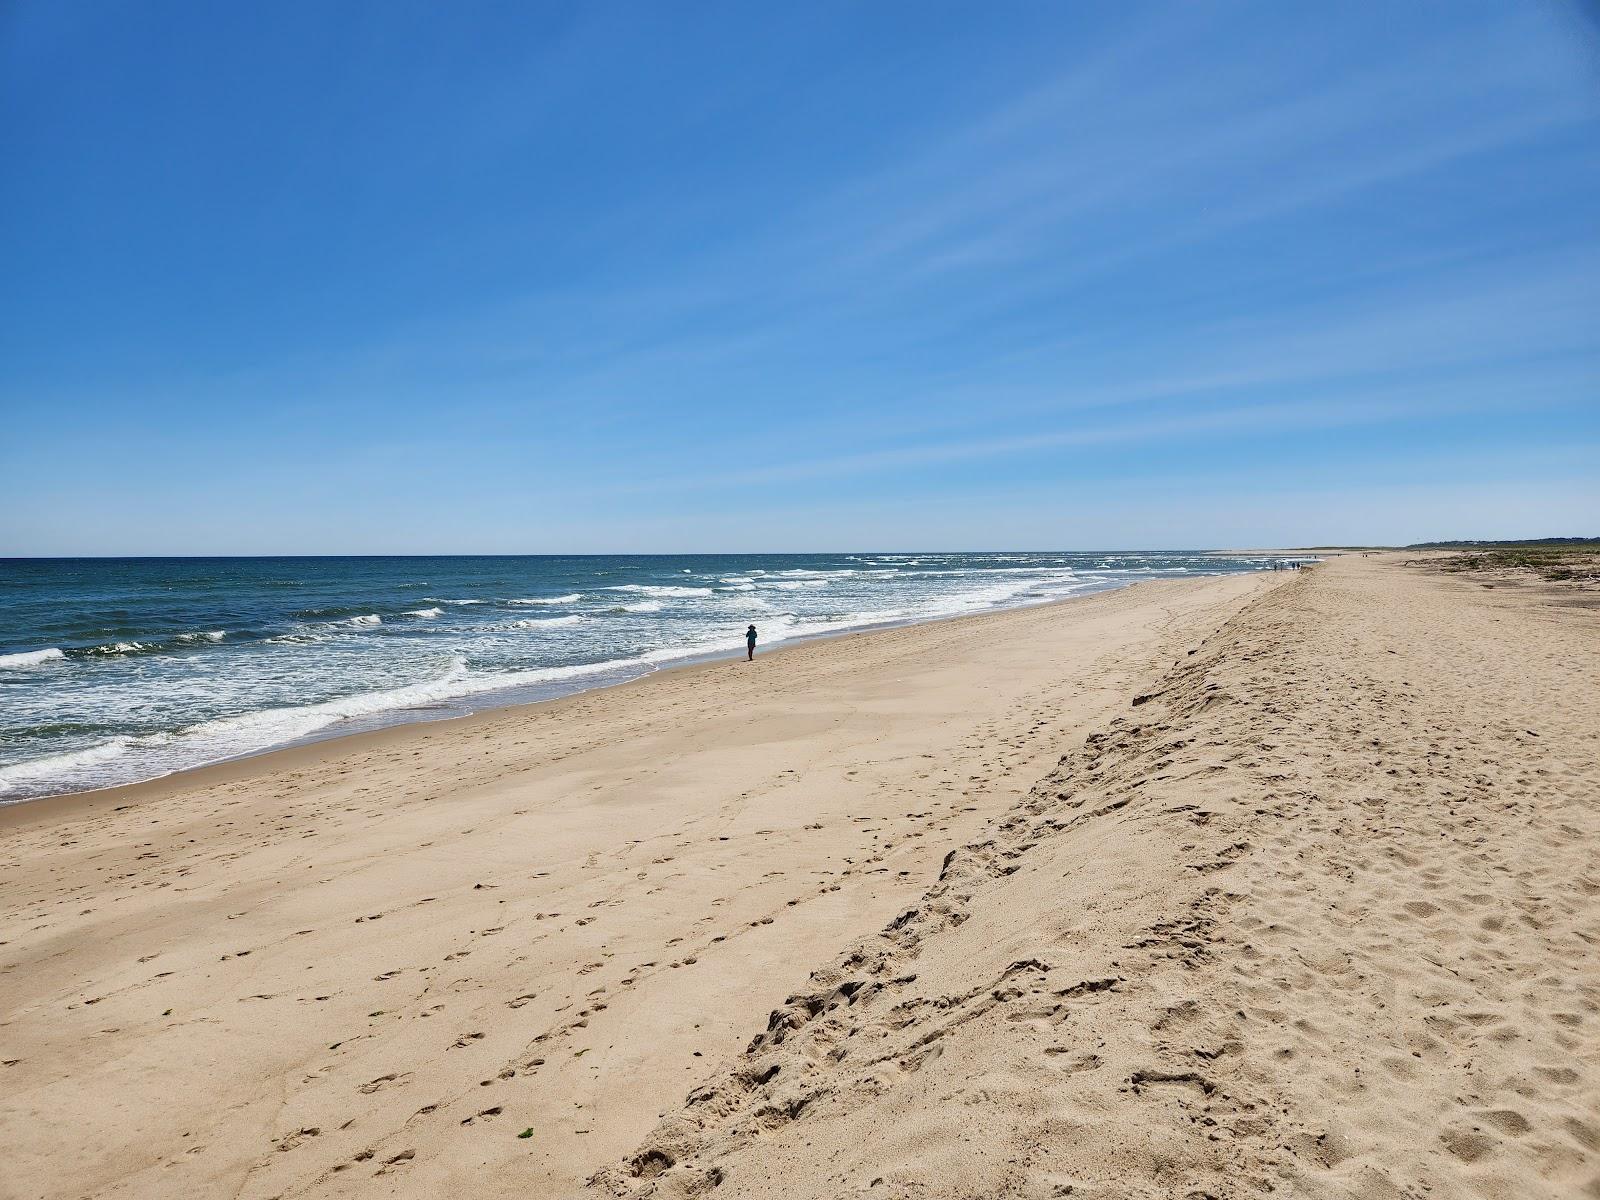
(1372, 407)
(1193, 224)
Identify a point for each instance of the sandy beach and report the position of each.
(1283, 882)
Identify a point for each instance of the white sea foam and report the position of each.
(214, 635)
(643, 606)
(61, 766)
(240, 734)
(439, 600)
(787, 626)
(115, 649)
(426, 613)
(571, 599)
(365, 621)
(652, 590)
(304, 637)
(548, 622)
(246, 732)
(962, 572)
(29, 658)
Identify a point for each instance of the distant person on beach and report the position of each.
(750, 644)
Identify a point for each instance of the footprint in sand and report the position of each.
(291, 1140)
(383, 1081)
(398, 1160)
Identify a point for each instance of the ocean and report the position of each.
(118, 670)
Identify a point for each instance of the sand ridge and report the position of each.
(1319, 917)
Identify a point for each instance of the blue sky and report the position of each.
(328, 277)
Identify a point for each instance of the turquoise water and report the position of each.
(116, 670)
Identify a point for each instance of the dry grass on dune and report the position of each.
(1577, 565)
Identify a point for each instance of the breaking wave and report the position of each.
(29, 658)
(548, 622)
(648, 589)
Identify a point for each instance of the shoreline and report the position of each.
(132, 792)
(564, 912)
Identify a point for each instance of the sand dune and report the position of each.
(1310, 905)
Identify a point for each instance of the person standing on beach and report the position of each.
(750, 644)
